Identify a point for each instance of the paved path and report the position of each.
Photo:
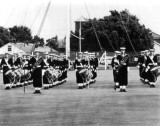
(99, 105)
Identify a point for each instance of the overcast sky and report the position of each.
(31, 12)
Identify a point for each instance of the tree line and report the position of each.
(17, 34)
(117, 29)
(23, 34)
(107, 33)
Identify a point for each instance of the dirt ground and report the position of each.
(66, 105)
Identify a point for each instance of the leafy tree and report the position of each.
(5, 36)
(38, 41)
(117, 29)
(53, 42)
(21, 33)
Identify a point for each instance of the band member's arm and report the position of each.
(75, 64)
(127, 62)
(147, 62)
(67, 64)
(139, 61)
(155, 59)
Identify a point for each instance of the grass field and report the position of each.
(66, 105)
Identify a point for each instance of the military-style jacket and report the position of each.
(151, 61)
(124, 59)
(79, 64)
(140, 60)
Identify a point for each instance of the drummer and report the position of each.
(151, 63)
(78, 67)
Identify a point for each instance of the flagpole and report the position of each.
(68, 32)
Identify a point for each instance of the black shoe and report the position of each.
(7, 88)
(79, 87)
(38, 91)
(152, 86)
(121, 90)
(124, 90)
(35, 92)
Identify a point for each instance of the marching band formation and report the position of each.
(51, 70)
(147, 64)
(44, 72)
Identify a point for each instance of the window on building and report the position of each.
(9, 48)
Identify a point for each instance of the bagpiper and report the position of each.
(115, 64)
(151, 63)
(123, 68)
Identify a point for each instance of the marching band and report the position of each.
(51, 70)
(40, 71)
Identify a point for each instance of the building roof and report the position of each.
(156, 43)
(155, 35)
(44, 49)
(25, 47)
(81, 19)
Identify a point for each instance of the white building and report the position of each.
(16, 48)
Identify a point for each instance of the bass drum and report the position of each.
(156, 71)
(86, 73)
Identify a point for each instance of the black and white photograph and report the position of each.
(79, 63)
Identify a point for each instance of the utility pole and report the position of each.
(80, 42)
(68, 33)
